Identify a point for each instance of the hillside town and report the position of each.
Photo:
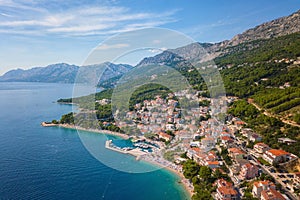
(230, 148)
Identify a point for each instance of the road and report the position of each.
(276, 178)
(271, 115)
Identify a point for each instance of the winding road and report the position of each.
(271, 115)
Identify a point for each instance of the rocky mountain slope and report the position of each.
(64, 73)
(249, 40)
(273, 29)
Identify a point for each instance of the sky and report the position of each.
(42, 32)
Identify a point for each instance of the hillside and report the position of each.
(268, 73)
(61, 72)
(262, 63)
(64, 73)
(263, 71)
(275, 28)
(267, 70)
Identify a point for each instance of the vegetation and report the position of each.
(202, 179)
(264, 162)
(253, 69)
(269, 127)
(67, 118)
(146, 92)
(262, 50)
(297, 118)
(225, 156)
(258, 68)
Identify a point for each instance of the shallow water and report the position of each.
(52, 163)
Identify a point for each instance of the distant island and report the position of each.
(64, 73)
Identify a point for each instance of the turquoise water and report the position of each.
(52, 163)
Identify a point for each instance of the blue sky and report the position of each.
(42, 32)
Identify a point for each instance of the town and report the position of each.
(253, 169)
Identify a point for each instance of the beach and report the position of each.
(158, 161)
(69, 126)
(136, 153)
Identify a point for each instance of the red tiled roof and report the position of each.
(223, 182)
(272, 194)
(197, 149)
(239, 122)
(261, 144)
(278, 152)
(248, 165)
(259, 183)
(162, 134)
(208, 139)
(236, 151)
(227, 191)
(213, 162)
(225, 138)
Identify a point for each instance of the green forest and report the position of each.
(269, 127)
(262, 70)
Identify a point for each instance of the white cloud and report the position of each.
(5, 15)
(113, 46)
(78, 21)
(81, 28)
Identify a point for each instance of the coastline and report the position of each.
(68, 126)
(183, 181)
(139, 156)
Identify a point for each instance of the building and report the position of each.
(261, 148)
(223, 183)
(207, 143)
(287, 141)
(195, 144)
(170, 127)
(236, 153)
(191, 152)
(276, 156)
(166, 137)
(226, 140)
(271, 194)
(255, 137)
(103, 101)
(295, 184)
(226, 193)
(248, 171)
(212, 164)
(246, 132)
(259, 186)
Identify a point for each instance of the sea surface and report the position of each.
(52, 163)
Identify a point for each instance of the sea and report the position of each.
(52, 163)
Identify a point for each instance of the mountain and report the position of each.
(263, 63)
(241, 42)
(64, 73)
(61, 72)
(275, 40)
(275, 28)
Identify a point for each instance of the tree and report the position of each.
(205, 172)
(218, 174)
(297, 118)
(202, 195)
(67, 119)
(191, 169)
(54, 121)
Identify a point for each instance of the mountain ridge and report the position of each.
(63, 72)
(66, 73)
